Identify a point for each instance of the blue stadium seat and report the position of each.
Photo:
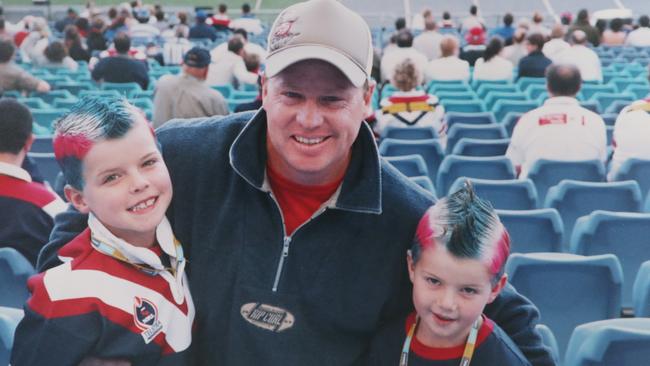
(409, 165)
(100, 93)
(609, 130)
(225, 90)
(524, 82)
(641, 291)
(456, 95)
(463, 106)
(47, 165)
(622, 83)
(514, 194)
(588, 90)
(617, 106)
(409, 133)
(609, 118)
(606, 99)
(510, 120)
(573, 199)
(46, 117)
(75, 87)
(15, 269)
(548, 339)
(124, 89)
(50, 96)
(568, 289)
(485, 88)
(481, 147)
(430, 150)
(478, 118)
(42, 144)
(547, 173)
(61, 103)
(535, 91)
(592, 105)
(9, 319)
(34, 103)
(623, 234)
(424, 182)
(492, 97)
(610, 342)
(531, 231)
(637, 170)
(478, 83)
(503, 107)
(461, 130)
(639, 91)
(486, 167)
(436, 87)
(142, 94)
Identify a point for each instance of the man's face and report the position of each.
(313, 114)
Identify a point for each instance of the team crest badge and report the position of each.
(267, 317)
(283, 32)
(145, 315)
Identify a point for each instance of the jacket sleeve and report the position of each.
(67, 225)
(517, 316)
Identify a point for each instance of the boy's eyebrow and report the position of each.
(150, 154)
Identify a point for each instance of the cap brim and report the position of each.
(276, 62)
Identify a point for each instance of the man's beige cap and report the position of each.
(325, 30)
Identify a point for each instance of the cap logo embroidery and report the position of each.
(145, 315)
(283, 33)
(267, 317)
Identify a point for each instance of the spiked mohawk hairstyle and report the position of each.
(90, 120)
(468, 227)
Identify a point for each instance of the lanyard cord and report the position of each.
(467, 353)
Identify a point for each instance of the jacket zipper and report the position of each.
(286, 241)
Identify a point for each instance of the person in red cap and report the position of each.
(475, 46)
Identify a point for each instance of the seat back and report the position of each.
(461, 130)
(568, 289)
(548, 339)
(9, 319)
(486, 167)
(610, 342)
(623, 234)
(14, 272)
(409, 165)
(574, 199)
(463, 106)
(477, 118)
(531, 231)
(47, 165)
(503, 107)
(430, 150)
(512, 194)
(547, 173)
(641, 291)
(510, 120)
(42, 144)
(637, 170)
(492, 97)
(481, 147)
(409, 133)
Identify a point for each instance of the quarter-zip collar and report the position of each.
(361, 187)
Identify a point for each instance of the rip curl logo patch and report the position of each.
(283, 31)
(145, 316)
(267, 317)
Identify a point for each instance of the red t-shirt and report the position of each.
(298, 202)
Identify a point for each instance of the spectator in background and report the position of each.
(252, 62)
(560, 129)
(187, 95)
(27, 208)
(538, 27)
(447, 22)
(557, 44)
(409, 106)
(254, 104)
(70, 18)
(582, 56)
(400, 23)
(96, 40)
(404, 50)
(38, 38)
(640, 37)
(4, 34)
(220, 21)
(73, 45)
(475, 46)
(121, 68)
(615, 35)
(82, 25)
(247, 21)
(535, 63)
(448, 66)
(118, 24)
(200, 29)
(249, 47)
(142, 29)
(517, 50)
(472, 21)
(13, 77)
(182, 24)
(161, 22)
(631, 135)
(56, 56)
(428, 42)
(582, 23)
(175, 48)
(601, 26)
(506, 31)
(230, 68)
(492, 66)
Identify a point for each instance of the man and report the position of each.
(230, 68)
(582, 23)
(187, 95)
(404, 50)
(428, 42)
(70, 18)
(201, 29)
(640, 37)
(560, 129)
(249, 47)
(121, 68)
(294, 227)
(143, 29)
(13, 77)
(538, 26)
(584, 58)
(535, 63)
(631, 135)
(506, 31)
(247, 21)
(473, 20)
(556, 44)
(448, 66)
(27, 208)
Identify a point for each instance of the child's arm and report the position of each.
(67, 225)
(518, 316)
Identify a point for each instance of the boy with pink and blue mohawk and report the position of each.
(121, 292)
(456, 265)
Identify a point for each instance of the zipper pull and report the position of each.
(285, 246)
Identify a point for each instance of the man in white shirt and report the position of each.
(631, 135)
(249, 47)
(560, 129)
(143, 29)
(428, 42)
(557, 44)
(448, 66)
(404, 50)
(640, 37)
(230, 67)
(473, 20)
(582, 57)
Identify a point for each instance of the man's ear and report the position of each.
(496, 289)
(76, 198)
(265, 86)
(367, 95)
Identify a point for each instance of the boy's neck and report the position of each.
(439, 342)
